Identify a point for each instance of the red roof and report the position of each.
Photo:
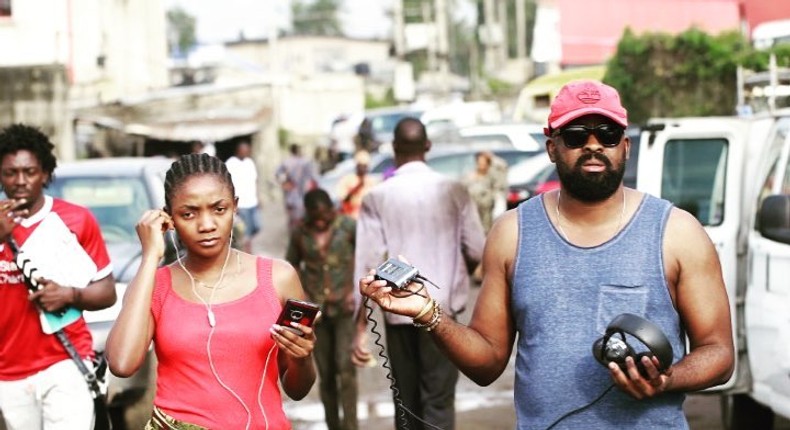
(591, 29)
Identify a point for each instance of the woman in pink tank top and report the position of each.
(211, 315)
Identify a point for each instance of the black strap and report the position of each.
(90, 377)
(32, 285)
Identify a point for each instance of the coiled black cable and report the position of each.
(400, 408)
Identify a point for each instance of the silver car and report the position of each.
(117, 191)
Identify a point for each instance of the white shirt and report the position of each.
(245, 179)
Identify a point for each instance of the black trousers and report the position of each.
(337, 375)
(424, 376)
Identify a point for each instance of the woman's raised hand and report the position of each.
(150, 228)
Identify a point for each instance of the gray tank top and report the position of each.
(563, 298)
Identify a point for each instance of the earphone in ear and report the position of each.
(609, 348)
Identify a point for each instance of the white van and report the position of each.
(733, 174)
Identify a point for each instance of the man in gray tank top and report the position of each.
(562, 266)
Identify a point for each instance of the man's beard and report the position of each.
(590, 187)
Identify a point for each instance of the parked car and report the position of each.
(452, 160)
(384, 120)
(379, 164)
(117, 191)
(530, 178)
(523, 136)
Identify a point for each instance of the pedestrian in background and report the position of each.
(365, 139)
(211, 315)
(322, 250)
(41, 387)
(245, 180)
(482, 186)
(296, 175)
(352, 187)
(562, 266)
(426, 217)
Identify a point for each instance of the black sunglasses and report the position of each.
(575, 136)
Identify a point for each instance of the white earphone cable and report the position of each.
(260, 387)
(212, 323)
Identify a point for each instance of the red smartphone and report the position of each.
(297, 311)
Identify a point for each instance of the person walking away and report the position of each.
(296, 175)
(211, 315)
(560, 268)
(245, 180)
(322, 250)
(352, 187)
(41, 387)
(426, 217)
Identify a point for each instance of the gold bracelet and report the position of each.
(437, 315)
(436, 320)
(429, 304)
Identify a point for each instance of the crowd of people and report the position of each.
(552, 277)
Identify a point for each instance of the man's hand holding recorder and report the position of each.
(398, 288)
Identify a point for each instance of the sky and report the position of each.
(221, 21)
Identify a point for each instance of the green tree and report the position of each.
(181, 30)
(691, 74)
(316, 17)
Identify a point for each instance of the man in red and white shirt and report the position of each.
(40, 386)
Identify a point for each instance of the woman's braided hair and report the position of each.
(194, 165)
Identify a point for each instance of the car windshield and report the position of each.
(117, 203)
(456, 165)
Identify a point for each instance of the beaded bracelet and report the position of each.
(435, 318)
(429, 304)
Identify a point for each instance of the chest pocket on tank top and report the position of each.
(619, 297)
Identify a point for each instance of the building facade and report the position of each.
(63, 55)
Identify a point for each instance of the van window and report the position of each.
(693, 177)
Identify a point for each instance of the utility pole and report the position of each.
(403, 82)
(489, 63)
(432, 36)
(398, 29)
(502, 49)
(521, 29)
(442, 46)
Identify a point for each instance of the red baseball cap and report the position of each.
(586, 97)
